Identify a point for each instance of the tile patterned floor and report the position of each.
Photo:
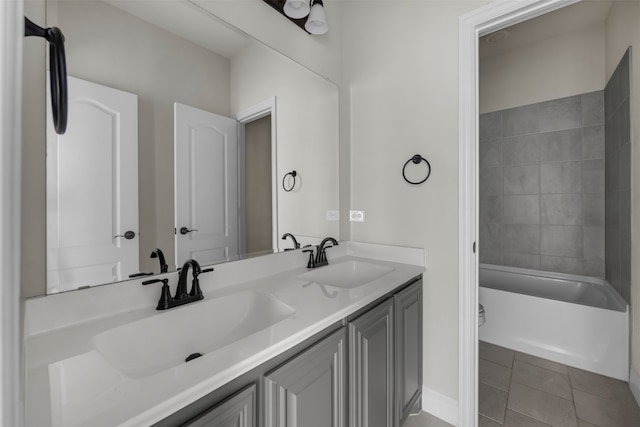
(424, 419)
(520, 390)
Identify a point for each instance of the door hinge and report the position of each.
(474, 247)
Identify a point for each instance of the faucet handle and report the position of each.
(195, 283)
(311, 263)
(165, 297)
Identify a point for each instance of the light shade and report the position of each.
(296, 9)
(317, 21)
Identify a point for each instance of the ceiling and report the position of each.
(563, 21)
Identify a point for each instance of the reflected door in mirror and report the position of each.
(206, 186)
(92, 191)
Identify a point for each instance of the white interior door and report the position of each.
(206, 186)
(92, 189)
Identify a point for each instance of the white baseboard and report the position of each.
(634, 383)
(440, 406)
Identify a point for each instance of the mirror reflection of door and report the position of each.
(92, 191)
(257, 182)
(206, 186)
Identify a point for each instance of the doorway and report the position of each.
(257, 187)
(258, 191)
(473, 25)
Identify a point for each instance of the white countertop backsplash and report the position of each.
(69, 383)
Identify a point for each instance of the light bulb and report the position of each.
(296, 9)
(317, 21)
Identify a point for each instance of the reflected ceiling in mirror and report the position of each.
(167, 52)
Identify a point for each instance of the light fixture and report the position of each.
(296, 9)
(317, 20)
(306, 14)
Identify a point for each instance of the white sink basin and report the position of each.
(148, 346)
(349, 274)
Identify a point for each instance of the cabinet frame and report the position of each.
(406, 299)
(360, 355)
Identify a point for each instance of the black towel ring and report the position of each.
(417, 159)
(57, 71)
(293, 175)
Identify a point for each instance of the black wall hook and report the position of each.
(57, 71)
(416, 159)
(293, 175)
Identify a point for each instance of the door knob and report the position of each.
(185, 230)
(127, 235)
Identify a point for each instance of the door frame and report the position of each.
(472, 26)
(244, 117)
(11, 305)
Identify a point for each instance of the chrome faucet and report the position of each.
(296, 245)
(181, 296)
(157, 253)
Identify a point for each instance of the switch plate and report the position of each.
(356, 216)
(333, 215)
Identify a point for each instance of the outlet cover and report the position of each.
(356, 216)
(333, 215)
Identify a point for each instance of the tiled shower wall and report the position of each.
(618, 179)
(542, 179)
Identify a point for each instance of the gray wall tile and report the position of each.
(562, 264)
(561, 145)
(561, 240)
(490, 235)
(490, 126)
(491, 257)
(593, 267)
(522, 260)
(593, 108)
(491, 181)
(522, 179)
(521, 238)
(561, 209)
(520, 120)
(625, 213)
(624, 125)
(561, 177)
(522, 149)
(593, 243)
(625, 75)
(553, 173)
(593, 209)
(612, 171)
(593, 142)
(624, 163)
(559, 114)
(490, 153)
(612, 257)
(522, 209)
(593, 176)
(490, 209)
(612, 210)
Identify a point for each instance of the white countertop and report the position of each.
(69, 383)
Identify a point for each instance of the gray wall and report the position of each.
(618, 179)
(542, 186)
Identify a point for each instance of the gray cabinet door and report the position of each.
(310, 389)
(408, 327)
(237, 411)
(371, 384)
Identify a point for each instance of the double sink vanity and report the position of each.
(272, 343)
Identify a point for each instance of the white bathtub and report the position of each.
(576, 320)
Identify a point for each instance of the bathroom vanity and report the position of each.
(279, 344)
